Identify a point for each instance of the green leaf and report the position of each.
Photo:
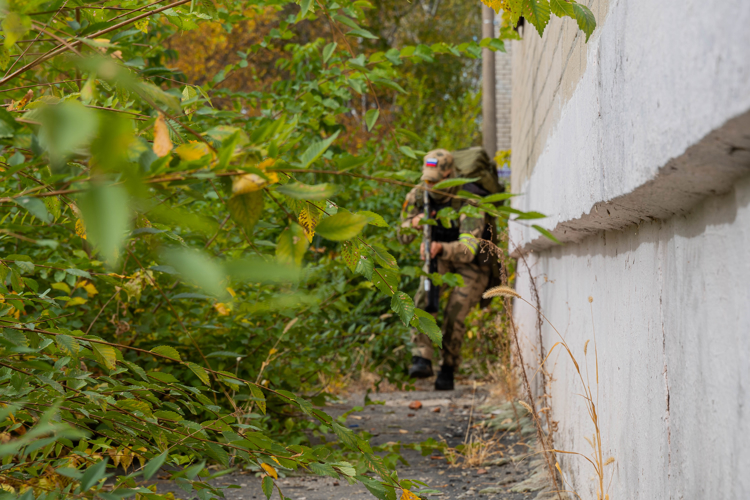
(35, 207)
(218, 453)
(246, 208)
(68, 344)
(371, 117)
(328, 51)
(403, 305)
(345, 435)
(198, 269)
(494, 44)
(386, 280)
(257, 270)
(200, 372)
(78, 272)
(365, 266)
(163, 377)
(497, 197)
(292, 245)
(105, 354)
(585, 18)
(408, 152)
(107, 218)
(267, 486)
(226, 152)
(458, 181)
(93, 475)
(530, 215)
(350, 254)
(373, 218)
(384, 82)
(546, 233)
(168, 351)
(304, 8)
(363, 33)
(537, 12)
(14, 27)
(341, 226)
(153, 466)
(562, 8)
(66, 127)
(348, 162)
(301, 191)
(316, 150)
(259, 396)
(425, 323)
(323, 470)
(382, 256)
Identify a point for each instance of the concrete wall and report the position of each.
(637, 147)
(672, 318)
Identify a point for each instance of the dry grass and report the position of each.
(590, 396)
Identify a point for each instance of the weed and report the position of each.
(591, 399)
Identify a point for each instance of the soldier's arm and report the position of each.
(466, 247)
(406, 234)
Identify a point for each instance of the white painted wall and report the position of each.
(671, 297)
(672, 315)
(660, 76)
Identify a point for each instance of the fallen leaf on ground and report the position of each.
(415, 405)
(436, 409)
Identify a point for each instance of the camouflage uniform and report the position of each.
(463, 256)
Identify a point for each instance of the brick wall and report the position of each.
(503, 92)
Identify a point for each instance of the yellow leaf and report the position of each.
(192, 150)
(247, 183)
(105, 354)
(268, 162)
(162, 142)
(63, 287)
(142, 25)
(90, 289)
(80, 229)
(308, 219)
(273, 351)
(77, 301)
(222, 309)
(408, 495)
(272, 472)
(231, 291)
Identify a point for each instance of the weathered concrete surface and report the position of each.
(644, 171)
(670, 308)
(659, 78)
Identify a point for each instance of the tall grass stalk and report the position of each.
(592, 400)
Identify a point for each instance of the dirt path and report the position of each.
(444, 416)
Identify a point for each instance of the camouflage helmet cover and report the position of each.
(438, 164)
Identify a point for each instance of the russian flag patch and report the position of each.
(431, 162)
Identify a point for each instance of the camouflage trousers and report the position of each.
(460, 302)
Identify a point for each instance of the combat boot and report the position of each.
(420, 367)
(444, 380)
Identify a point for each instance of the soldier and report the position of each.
(457, 250)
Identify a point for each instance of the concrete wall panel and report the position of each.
(673, 338)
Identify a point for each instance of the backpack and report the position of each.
(474, 162)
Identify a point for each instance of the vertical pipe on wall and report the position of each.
(489, 134)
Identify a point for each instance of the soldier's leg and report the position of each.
(461, 301)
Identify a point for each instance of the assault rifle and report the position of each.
(432, 291)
